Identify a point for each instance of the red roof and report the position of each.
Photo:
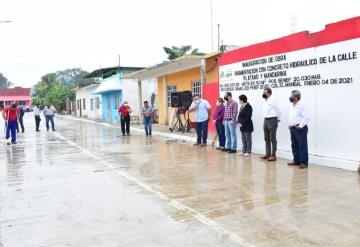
(17, 91)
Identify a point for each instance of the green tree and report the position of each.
(4, 82)
(178, 51)
(56, 88)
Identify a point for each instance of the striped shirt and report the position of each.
(231, 109)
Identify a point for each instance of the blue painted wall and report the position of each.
(109, 112)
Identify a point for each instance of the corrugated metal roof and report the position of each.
(17, 91)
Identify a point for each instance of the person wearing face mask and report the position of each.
(272, 115)
(231, 110)
(124, 112)
(245, 124)
(202, 110)
(298, 125)
(218, 119)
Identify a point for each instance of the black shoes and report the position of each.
(232, 151)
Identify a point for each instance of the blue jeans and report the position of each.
(11, 128)
(230, 133)
(147, 125)
(299, 145)
(202, 131)
(51, 119)
(220, 130)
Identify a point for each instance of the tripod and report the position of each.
(178, 123)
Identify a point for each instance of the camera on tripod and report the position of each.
(182, 101)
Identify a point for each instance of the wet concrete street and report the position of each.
(86, 185)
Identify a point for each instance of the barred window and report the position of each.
(117, 101)
(170, 89)
(196, 88)
(91, 104)
(97, 102)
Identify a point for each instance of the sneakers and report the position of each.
(197, 144)
(241, 154)
(246, 154)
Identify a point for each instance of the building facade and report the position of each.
(18, 95)
(188, 73)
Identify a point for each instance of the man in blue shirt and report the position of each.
(202, 110)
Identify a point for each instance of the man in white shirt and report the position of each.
(272, 115)
(49, 113)
(202, 110)
(298, 125)
(37, 112)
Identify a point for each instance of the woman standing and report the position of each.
(245, 124)
(218, 119)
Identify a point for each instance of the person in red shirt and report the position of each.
(10, 115)
(124, 112)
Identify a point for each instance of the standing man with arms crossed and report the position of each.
(231, 110)
(147, 112)
(298, 125)
(202, 110)
(272, 116)
(10, 116)
(49, 113)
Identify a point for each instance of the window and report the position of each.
(170, 89)
(8, 102)
(117, 101)
(84, 104)
(78, 104)
(21, 103)
(91, 104)
(97, 102)
(196, 88)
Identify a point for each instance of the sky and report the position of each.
(50, 35)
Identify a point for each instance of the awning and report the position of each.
(108, 85)
(180, 64)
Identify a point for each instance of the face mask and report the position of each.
(226, 98)
(264, 96)
(292, 99)
(218, 103)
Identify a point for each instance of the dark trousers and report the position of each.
(125, 124)
(21, 121)
(202, 131)
(50, 119)
(37, 122)
(299, 145)
(246, 142)
(147, 125)
(11, 129)
(270, 128)
(220, 130)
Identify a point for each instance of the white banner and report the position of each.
(328, 77)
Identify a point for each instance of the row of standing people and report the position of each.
(228, 117)
(13, 117)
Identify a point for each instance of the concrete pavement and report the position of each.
(86, 185)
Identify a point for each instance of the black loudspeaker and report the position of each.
(186, 99)
(176, 99)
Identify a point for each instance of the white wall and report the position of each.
(130, 92)
(334, 128)
(87, 94)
